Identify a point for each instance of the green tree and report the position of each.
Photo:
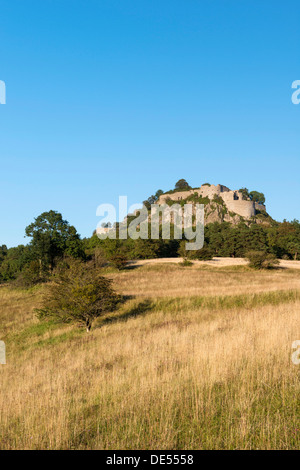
(158, 193)
(293, 248)
(78, 294)
(255, 196)
(52, 237)
(3, 252)
(145, 249)
(245, 193)
(153, 199)
(15, 260)
(182, 184)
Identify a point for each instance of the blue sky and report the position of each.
(109, 98)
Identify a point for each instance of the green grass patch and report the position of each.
(33, 336)
(134, 308)
(226, 302)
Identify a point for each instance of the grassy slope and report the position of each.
(206, 365)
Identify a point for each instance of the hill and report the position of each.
(236, 222)
(221, 204)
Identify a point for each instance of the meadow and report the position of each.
(196, 358)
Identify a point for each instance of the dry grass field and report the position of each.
(197, 358)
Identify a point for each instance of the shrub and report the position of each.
(31, 275)
(218, 199)
(261, 260)
(99, 258)
(118, 261)
(186, 263)
(78, 293)
(205, 254)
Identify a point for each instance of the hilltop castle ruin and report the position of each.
(234, 200)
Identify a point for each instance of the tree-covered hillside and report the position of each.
(52, 238)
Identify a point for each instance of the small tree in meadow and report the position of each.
(184, 254)
(78, 294)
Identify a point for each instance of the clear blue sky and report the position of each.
(109, 98)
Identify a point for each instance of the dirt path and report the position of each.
(217, 262)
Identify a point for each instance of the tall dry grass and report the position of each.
(169, 280)
(207, 372)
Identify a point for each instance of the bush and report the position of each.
(78, 293)
(261, 260)
(118, 261)
(186, 263)
(205, 254)
(32, 275)
(99, 258)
